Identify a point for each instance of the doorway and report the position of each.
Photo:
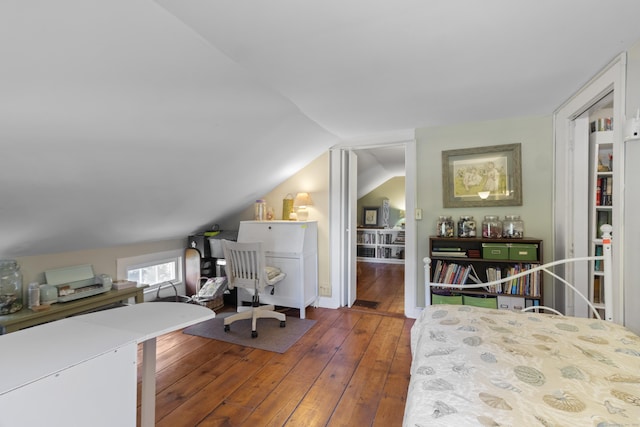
(381, 189)
(343, 183)
(571, 176)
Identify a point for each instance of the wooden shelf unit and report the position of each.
(465, 252)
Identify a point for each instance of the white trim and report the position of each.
(336, 226)
(611, 78)
(122, 264)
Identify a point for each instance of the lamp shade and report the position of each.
(302, 199)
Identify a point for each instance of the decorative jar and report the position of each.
(260, 210)
(445, 226)
(10, 287)
(466, 226)
(512, 227)
(491, 227)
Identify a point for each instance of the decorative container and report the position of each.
(466, 226)
(512, 227)
(445, 227)
(260, 210)
(491, 227)
(10, 287)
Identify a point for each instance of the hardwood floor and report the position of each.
(382, 283)
(350, 369)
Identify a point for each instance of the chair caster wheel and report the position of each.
(227, 328)
(254, 334)
(283, 324)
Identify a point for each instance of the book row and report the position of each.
(459, 274)
(604, 191)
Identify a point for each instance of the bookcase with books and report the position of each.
(380, 245)
(601, 204)
(479, 260)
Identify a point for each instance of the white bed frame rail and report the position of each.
(546, 268)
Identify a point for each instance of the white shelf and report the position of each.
(601, 201)
(380, 245)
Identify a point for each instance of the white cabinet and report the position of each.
(380, 245)
(291, 246)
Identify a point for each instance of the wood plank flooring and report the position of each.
(350, 369)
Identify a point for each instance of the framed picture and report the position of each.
(370, 216)
(482, 176)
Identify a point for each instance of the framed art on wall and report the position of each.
(370, 216)
(482, 176)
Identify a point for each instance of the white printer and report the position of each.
(77, 282)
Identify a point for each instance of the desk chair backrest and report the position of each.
(245, 264)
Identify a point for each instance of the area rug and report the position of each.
(271, 336)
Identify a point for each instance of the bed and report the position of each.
(489, 367)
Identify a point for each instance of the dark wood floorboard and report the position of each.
(350, 369)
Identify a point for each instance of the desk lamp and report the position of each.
(301, 201)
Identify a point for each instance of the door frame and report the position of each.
(338, 209)
(566, 238)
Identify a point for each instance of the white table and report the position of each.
(82, 370)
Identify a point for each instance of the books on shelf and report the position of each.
(604, 191)
(526, 285)
(452, 273)
(446, 252)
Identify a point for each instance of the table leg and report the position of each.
(148, 398)
(139, 297)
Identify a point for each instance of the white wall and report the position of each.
(535, 135)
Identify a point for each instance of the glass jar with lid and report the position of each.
(10, 287)
(466, 226)
(491, 227)
(260, 209)
(445, 226)
(512, 227)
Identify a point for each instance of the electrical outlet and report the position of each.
(418, 214)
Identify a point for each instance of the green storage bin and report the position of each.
(446, 299)
(523, 252)
(489, 302)
(495, 251)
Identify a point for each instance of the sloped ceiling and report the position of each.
(123, 121)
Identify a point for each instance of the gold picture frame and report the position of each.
(482, 176)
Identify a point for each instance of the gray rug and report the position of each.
(271, 336)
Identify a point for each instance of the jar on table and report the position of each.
(466, 226)
(491, 227)
(260, 210)
(512, 227)
(10, 287)
(445, 226)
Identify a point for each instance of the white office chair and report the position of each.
(246, 268)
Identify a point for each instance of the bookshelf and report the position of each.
(380, 245)
(601, 203)
(477, 260)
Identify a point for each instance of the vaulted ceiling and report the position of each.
(125, 121)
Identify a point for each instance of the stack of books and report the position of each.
(448, 253)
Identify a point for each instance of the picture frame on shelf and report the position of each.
(482, 176)
(370, 216)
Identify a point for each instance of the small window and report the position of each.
(152, 269)
(154, 274)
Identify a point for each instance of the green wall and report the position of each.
(392, 189)
(536, 136)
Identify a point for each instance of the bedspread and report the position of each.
(476, 366)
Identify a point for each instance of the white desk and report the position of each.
(82, 370)
(291, 246)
